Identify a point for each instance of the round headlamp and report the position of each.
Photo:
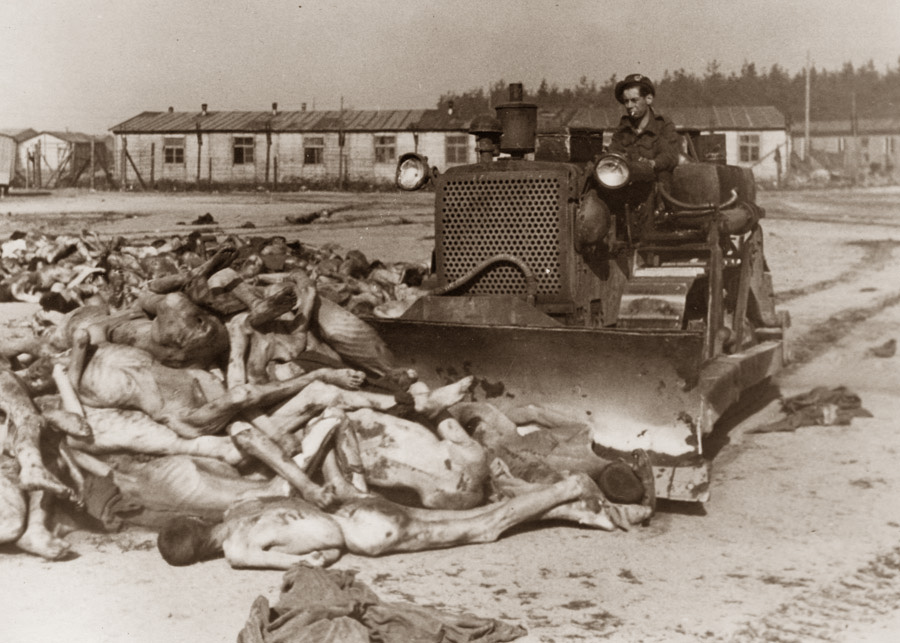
(612, 171)
(412, 172)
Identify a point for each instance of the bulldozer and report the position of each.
(640, 309)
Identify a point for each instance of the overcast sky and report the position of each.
(87, 65)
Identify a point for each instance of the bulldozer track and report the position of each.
(827, 613)
(880, 222)
(822, 336)
(878, 253)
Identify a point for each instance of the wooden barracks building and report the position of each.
(266, 148)
(329, 147)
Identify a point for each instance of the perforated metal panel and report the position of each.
(493, 213)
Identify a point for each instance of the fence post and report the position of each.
(37, 166)
(93, 143)
(199, 153)
(124, 163)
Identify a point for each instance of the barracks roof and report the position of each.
(734, 117)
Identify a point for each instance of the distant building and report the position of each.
(52, 159)
(755, 137)
(870, 147)
(12, 137)
(7, 162)
(327, 147)
(265, 148)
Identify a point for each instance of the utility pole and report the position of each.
(341, 140)
(806, 111)
(854, 137)
(93, 142)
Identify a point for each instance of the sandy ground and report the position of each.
(800, 540)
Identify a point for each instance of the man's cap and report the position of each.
(631, 80)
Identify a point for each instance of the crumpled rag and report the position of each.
(331, 606)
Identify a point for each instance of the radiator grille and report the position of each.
(487, 216)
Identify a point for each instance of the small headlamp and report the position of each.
(612, 171)
(412, 172)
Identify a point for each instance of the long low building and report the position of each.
(754, 137)
(266, 148)
(333, 147)
(855, 150)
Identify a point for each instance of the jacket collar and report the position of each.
(654, 124)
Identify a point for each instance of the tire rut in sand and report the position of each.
(824, 614)
(878, 254)
(821, 337)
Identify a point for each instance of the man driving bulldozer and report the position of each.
(649, 145)
(643, 136)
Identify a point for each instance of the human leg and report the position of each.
(37, 539)
(399, 453)
(376, 526)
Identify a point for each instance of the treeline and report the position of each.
(834, 95)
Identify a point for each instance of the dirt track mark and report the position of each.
(820, 338)
(869, 594)
(878, 254)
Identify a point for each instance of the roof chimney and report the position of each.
(203, 109)
(274, 109)
(450, 108)
(302, 107)
(171, 109)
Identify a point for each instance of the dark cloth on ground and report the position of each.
(819, 407)
(331, 606)
(104, 501)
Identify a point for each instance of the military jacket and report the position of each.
(658, 141)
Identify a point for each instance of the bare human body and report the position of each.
(195, 404)
(278, 533)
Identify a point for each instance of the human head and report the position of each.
(180, 324)
(636, 93)
(185, 541)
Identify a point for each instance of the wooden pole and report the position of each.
(57, 174)
(80, 171)
(124, 164)
(806, 112)
(37, 166)
(136, 171)
(275, 172)
(268, 151)
(209, 170)
(341, 138)
(854, 135)
(152, 164)
(93, 142)
(199, 152)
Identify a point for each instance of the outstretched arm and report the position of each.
(213, 415)
(254, 442)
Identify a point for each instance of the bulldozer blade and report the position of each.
(631, 390)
